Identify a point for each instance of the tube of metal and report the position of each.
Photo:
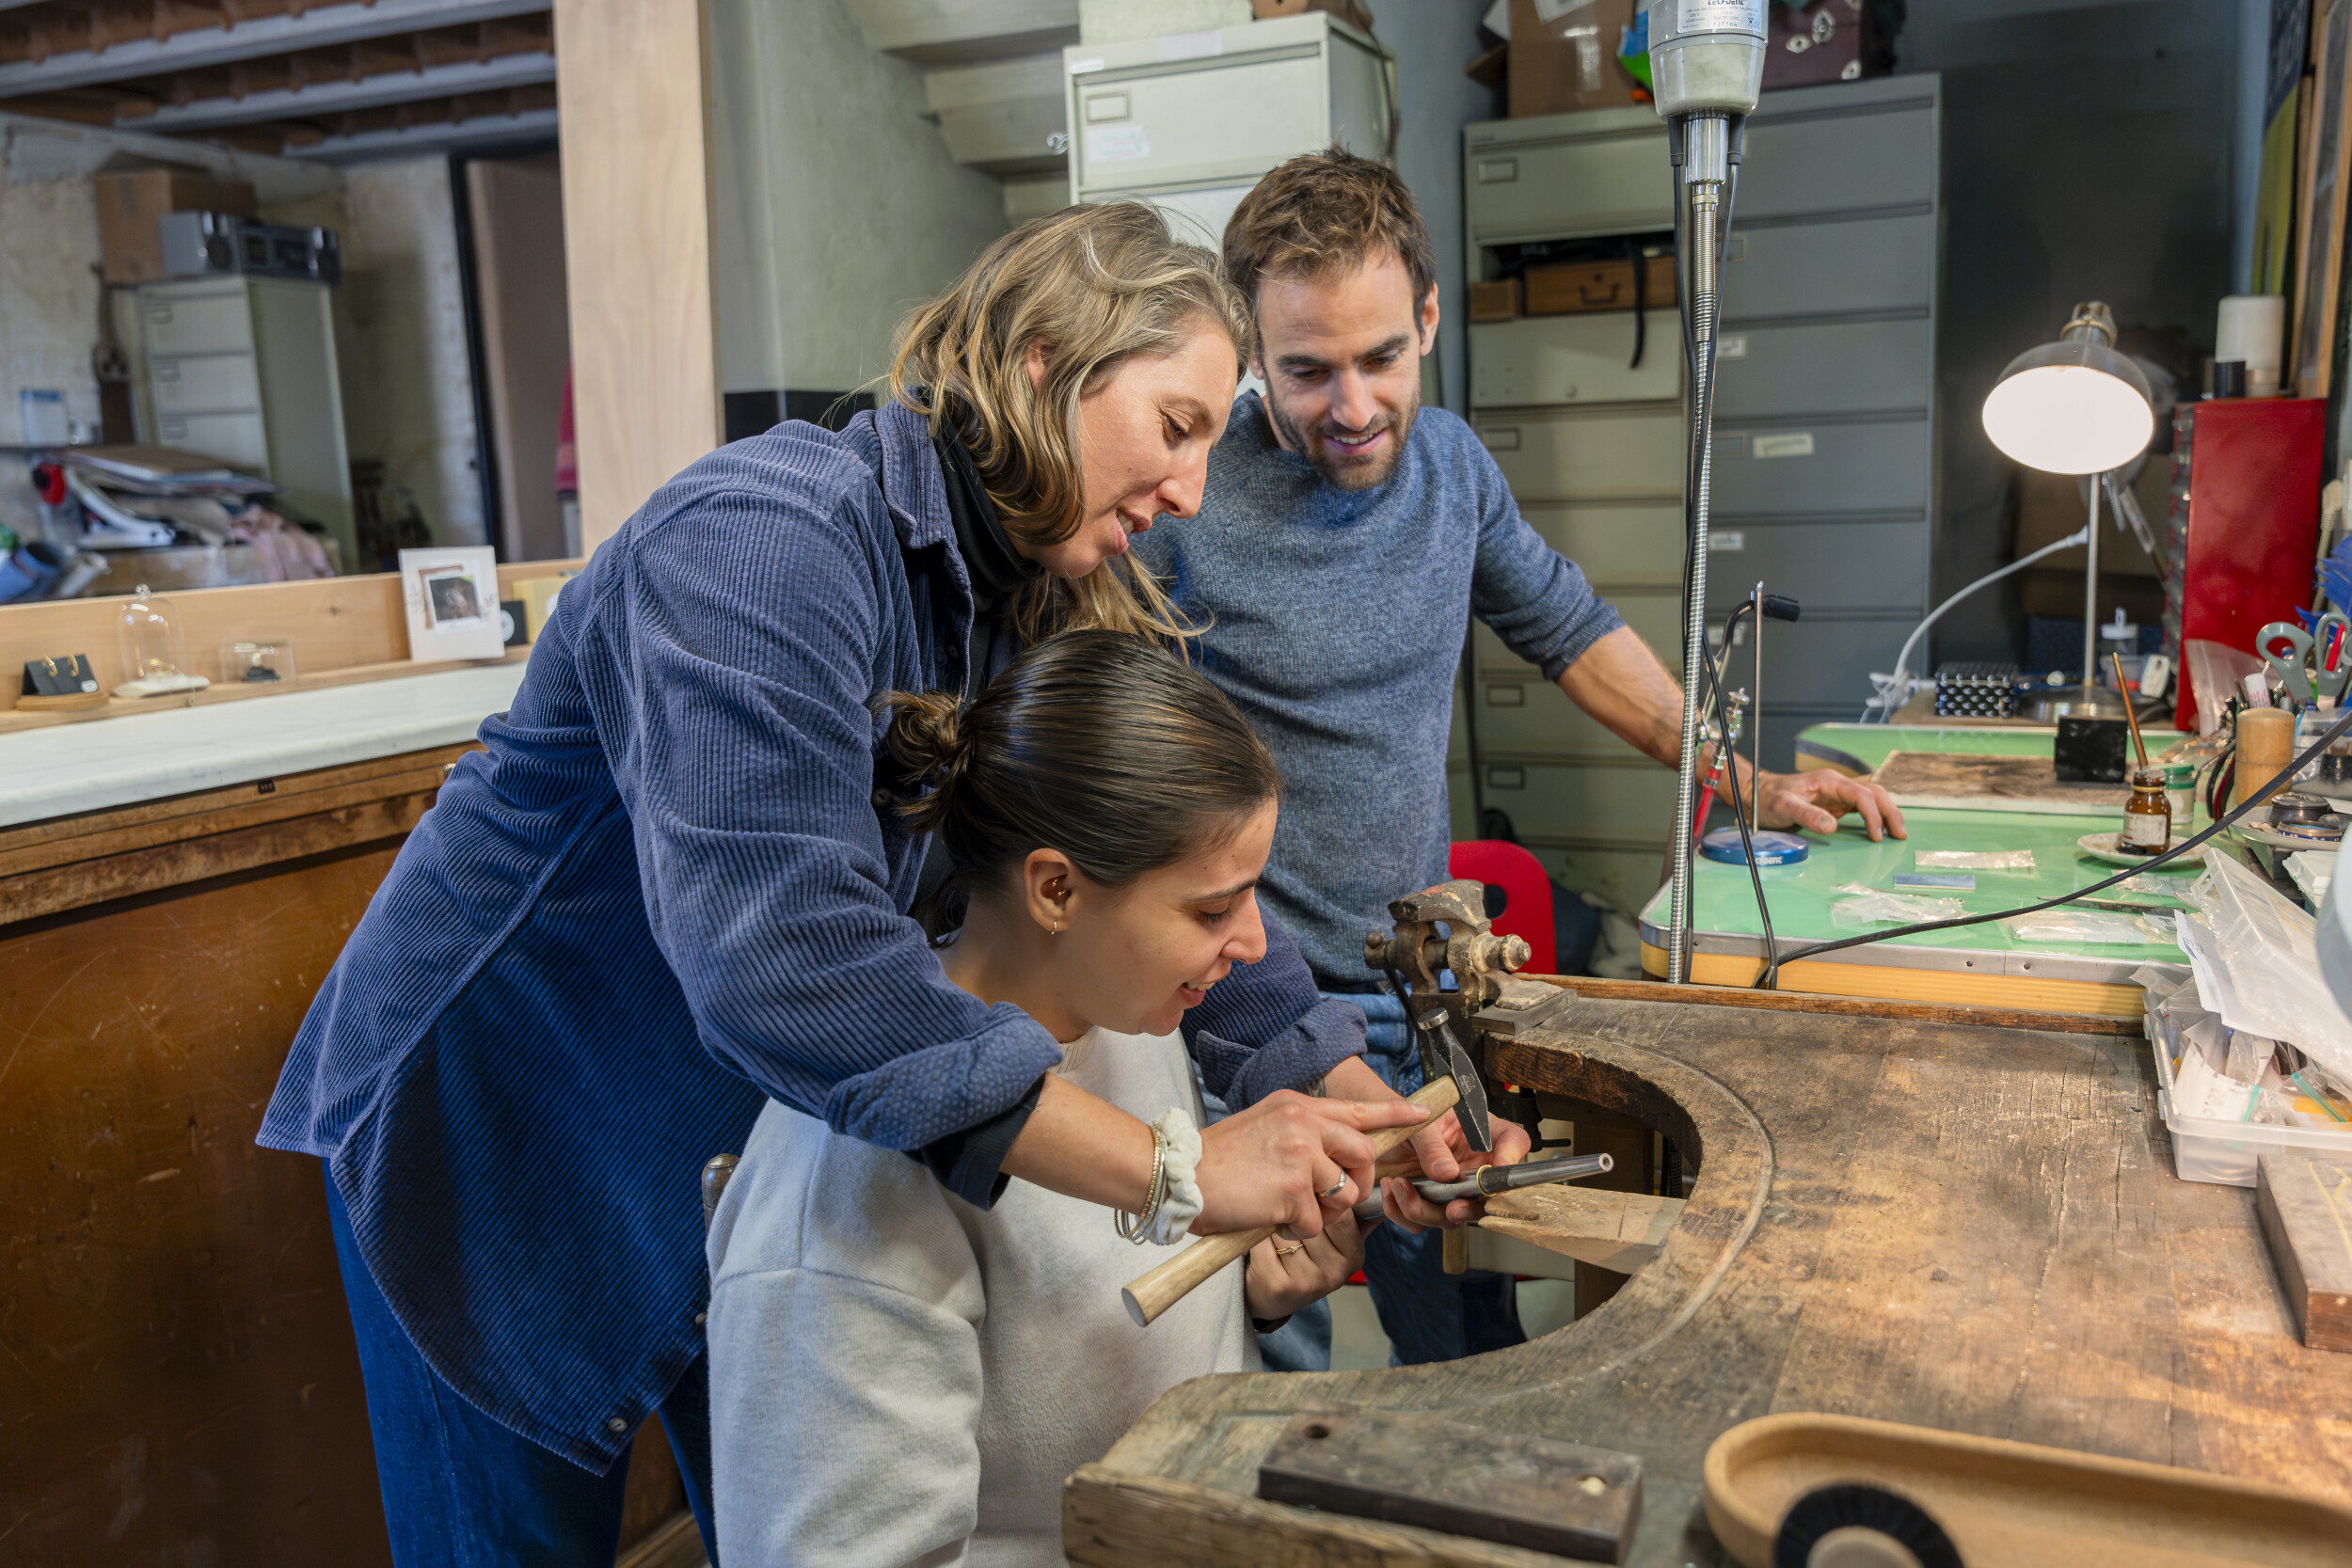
(1706, 168)
(1489, 1180)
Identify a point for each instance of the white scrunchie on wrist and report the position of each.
(1181, 1203)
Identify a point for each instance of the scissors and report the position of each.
(2288, 666)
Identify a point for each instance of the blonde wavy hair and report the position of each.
(1093, 286)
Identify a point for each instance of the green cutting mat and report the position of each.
(1801, 895)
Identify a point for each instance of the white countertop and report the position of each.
(117, 762)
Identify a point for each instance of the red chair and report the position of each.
(1526, 890)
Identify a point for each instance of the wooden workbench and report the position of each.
(178, 1378)
(1947, 1223)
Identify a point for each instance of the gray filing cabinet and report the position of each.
(1825, 432)
(243, 369)
(1191, 122)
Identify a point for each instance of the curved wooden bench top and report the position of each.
(1958, 1226)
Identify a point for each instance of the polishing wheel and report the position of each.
(1861, 1527)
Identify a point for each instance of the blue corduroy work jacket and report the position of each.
(670, 887)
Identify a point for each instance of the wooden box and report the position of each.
(2306, 1207)
(130, 249)
(1567, 60)
(1354, 12)
(1560, 291)
(1494, 302)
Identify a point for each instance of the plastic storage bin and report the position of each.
(2224, 1152)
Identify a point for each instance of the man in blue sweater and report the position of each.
(1347, 537)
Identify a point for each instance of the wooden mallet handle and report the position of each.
(1173, 1281)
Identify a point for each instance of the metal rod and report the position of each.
(1756, 717)
(1705, 173)
(2090, 606)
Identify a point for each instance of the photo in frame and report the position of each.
(451, 595)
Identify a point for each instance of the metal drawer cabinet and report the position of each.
(1854, 565)
(196, 318)
(1809, 467)
(237, 440)
(1835, 150)
(1585, 802)
(1530, 719)
(1602, 171)
(1824, 663)
(206, 384)
(1655, 615)
(1828, 269)
(1580, 454)
(1617, 544)
(1868, 367)
(1575, 358)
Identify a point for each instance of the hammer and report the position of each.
(1459, 1090)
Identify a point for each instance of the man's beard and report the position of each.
(1348, 473)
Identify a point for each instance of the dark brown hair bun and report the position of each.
(1099, 744)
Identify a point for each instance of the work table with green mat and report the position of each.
(1983, 964)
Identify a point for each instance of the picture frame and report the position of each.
(451, 597)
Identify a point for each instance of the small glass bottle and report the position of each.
(2147, 816)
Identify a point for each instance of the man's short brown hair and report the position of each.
(1325, 213)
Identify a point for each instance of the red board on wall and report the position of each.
(2254, 521)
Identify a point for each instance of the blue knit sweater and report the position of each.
(668, 889)
(1337, 620)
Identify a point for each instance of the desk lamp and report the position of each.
(2076, 406)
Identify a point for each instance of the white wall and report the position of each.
(836, 204)
(399, 317)
(400, 314)
(49, 246)
(1432, 40)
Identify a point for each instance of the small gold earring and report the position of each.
(1057, 925)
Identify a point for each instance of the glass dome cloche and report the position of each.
(153, 654)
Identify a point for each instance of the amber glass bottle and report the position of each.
(2147, 816)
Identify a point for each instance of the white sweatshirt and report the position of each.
(898, 1378)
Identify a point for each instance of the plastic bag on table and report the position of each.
(2069, 924)
(2203, 1087)
(1870, 906)
(1974, 860)
(2270, 951)
(2317, 1100)
(2164, 983)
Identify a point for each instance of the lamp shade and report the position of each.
(2070, 407)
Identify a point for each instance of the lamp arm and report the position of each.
(1892, 690)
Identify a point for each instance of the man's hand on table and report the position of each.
(1438, 1152)
(1819, 799)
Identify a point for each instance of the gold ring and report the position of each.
(1286, 1251)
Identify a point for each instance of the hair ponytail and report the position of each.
(1101, 745)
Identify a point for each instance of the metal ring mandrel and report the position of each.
(1492, 1179)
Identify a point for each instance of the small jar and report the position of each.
(2147, 816)
(2180, 788)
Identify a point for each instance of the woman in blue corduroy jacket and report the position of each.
(670, 887)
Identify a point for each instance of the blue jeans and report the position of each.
(463, 1491)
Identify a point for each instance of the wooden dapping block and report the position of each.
(1533, 1492)
(2014, 1505)
(2306, 1207)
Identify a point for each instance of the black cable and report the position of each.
(1731, 774)
(2260, 797)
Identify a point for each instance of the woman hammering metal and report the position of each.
(672, 887)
